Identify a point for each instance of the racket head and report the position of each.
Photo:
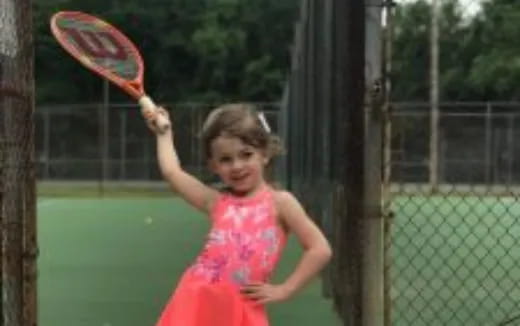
(102, 48)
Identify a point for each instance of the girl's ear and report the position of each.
(265, 159)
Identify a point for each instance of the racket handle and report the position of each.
(147, 105)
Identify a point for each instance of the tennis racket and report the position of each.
(105, 50)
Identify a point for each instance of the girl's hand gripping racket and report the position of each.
(103, 49)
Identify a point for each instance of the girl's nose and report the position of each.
(237, 165)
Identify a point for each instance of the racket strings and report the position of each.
(96, 42)
(127, 70)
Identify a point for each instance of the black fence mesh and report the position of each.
(454, 248)
(17, 187)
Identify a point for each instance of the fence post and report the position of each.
(372, 226)
(434, 96)
(17, 188)
(46, 143)
(348, 166)
(122, 144)
(387, 161)
(488, 145)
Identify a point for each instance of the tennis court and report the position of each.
(114, 261)
(455, 260)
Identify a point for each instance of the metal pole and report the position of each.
(387, 163)
(349, 161)
(434, 96)
(17, 188)
(497, 148)
(46, 143)
(122, 139)
(510, 147)
(373, 226)
(12, 210)
(488, 147)
(103, 137)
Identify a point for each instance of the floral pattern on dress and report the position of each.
(211, 269)
(243, 244)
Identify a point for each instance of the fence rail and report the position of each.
(453, 249)
(81, 142)
(478, 142)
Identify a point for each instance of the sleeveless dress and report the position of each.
(243, 246)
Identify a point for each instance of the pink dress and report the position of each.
(243, 246)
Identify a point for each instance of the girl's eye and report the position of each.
(225, 159)
(247, 154)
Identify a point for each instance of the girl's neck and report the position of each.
(251, 193)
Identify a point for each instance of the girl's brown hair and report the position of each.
(239, 120)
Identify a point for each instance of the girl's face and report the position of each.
(239, 165)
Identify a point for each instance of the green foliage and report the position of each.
(410, 57)
(479, 55)
(194, 50)
(496, 67)
(198, 50)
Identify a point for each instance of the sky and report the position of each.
(470, 6)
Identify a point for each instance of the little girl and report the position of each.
(228, 285)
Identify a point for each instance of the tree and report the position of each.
(410, 58)
(478, 54)
(194, 50)
(495, 70)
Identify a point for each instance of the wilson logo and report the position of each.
(100, 45)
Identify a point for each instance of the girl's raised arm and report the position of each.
(187, 186)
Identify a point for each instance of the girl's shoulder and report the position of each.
(282, 198)
(280, 194)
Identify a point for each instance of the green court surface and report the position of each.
(115, 262)
(455, 260)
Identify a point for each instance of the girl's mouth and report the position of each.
(239, 178)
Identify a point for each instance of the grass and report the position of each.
(115, 261)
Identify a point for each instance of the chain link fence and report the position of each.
(455, 248)
(451, 166)
(93, 143)
(322, 117)
(452, 240)
(18, 247)
(478, 143)
(449, 183)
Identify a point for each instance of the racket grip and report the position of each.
(147, 105)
